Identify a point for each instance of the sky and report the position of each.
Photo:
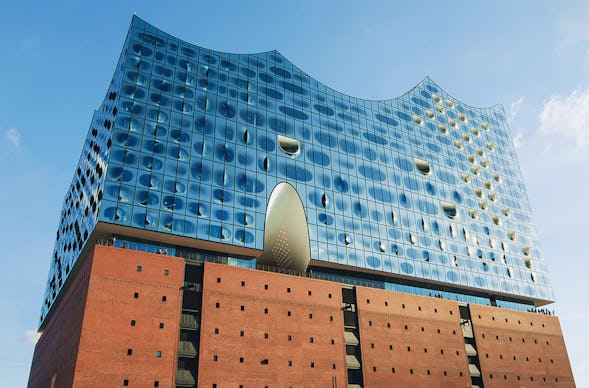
(532, 56)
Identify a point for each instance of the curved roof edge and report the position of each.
(426, 79)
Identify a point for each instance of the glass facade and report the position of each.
(191, 142)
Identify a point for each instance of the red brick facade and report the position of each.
(409, 340)
(119, 324)
(519, 349)
(120, 330)
(273, 330)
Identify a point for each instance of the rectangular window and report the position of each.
(166, 273)
(136, 295)
(129, 352)
(241, 333)
(288, 290)
(242, 308)
(241, 360)
(217, 305)
(158, 353)
(215, 358)
(242, 283)
(265, 311)
(265, 286)
(133, 322)
(161, 325)
(139, 268)
(126, 383)
(164, 298)
(156, 383)
(218, 281)
(216, 330)
(265, 335)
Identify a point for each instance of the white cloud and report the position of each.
(514, 108)
(13, 136)
(31, 337)
(518, 139)
(567, 117)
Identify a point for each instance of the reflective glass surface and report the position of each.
(191, 142)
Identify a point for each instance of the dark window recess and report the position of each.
(161, 325)
(133, 322)
(136, 295)
(126, 383)
(129, 352)
(164, 298)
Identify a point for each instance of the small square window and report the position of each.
(265, 335)
(289, 363)
(156, 383)
(367, 301)
(241, 360)
(218, 281)
(329, 296)
(215, 358)
(309, 293)
(242, 308)
(166, 273)
(290, 338)
(217, 305)
(386, 303)
(310, 316)
(312, 365)
(332, 341)
(129, 352)
(216, 330)
(266, 311)
(139, 268)
(136, 295)
(241, 333)
(265, 286)
(242, 283)
(161, 325)
(126, 383)
(133, 322)
(331, 317)
(158, 353)
(288, 290)
(369, 323)
(311, 339)
(164, 298)
(332, 366)
(289, 313)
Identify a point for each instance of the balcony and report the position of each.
(188, 321)
(185, 378)
(186, 349)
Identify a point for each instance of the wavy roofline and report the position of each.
(496, 106)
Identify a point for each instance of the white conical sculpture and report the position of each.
(286, 233)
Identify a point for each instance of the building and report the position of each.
(235, 223)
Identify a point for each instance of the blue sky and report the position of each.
(532, 56)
